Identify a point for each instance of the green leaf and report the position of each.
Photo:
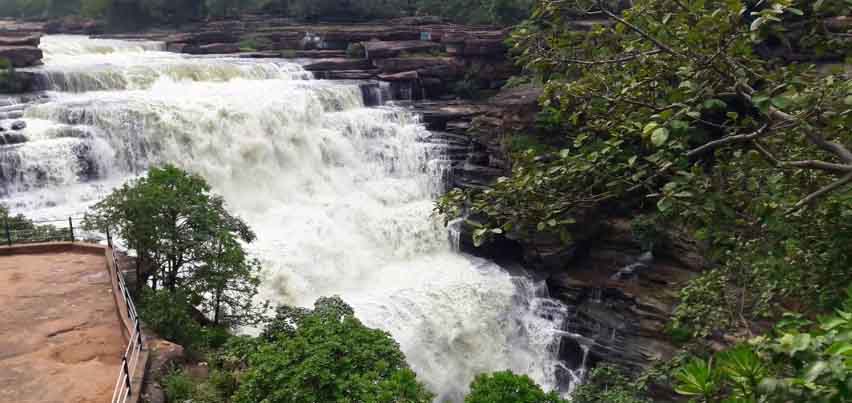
(795, 11)
(650, 127)
(664, 205)
(632, 161)
(715, 104)
(840, 348)
(660, 136)
(781, 102)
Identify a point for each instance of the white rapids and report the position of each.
(340, 195)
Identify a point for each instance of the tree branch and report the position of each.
(612, 61)
(821, 165)
(821, 193)
(639, 31)
(725, 140)
(836, 149)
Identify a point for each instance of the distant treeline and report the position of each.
(145, 12)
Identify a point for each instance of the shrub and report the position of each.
(326, 355)
(506, 387)
(178, 386)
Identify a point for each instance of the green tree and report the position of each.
(327, 355)
(185, 240)
(506, 387)
(668, 108)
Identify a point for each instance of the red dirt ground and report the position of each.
(60, 339)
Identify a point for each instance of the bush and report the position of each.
(178, 386)
(506, 387)
(607, 383)
(326, 355)
(169, 316)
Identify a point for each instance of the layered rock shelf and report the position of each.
(422, 57)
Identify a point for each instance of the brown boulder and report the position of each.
(204, 38)
(404, 76)
(370, 33)
(213, 48)
(317, 54)
(30, 40)
(338, 64)
(383, 50)
(21, 56)
(484, 47)
(346, 74)
(441, 67)
(73, 25)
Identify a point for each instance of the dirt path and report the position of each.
(60, 339)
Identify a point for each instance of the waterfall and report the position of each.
(339, 194)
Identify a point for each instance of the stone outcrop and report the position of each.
(386, 49)
(429, 56)
(21, 56)
(620, 295)
(29, 40)
(213, 48)
(338, 64)
(19, 44)
(621, 318)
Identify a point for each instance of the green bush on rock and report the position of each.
(327, 355)
(506, 387)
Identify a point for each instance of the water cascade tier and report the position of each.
(340, 194)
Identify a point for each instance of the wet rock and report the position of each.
(21, 56)
(484, 47)
(316, 54)
(11, 115)
(436, 115)
(204, 38)
(338, 64)
(211, 49)
(12, 138)
(346, 74)
(441, 67)
(74, 26)
(29, 40)
(472, 176)
(404, 76)
(621, 319)
(260, 55)
(387, 49)
(177, 47)
(19, 125)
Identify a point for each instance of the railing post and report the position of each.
(71, 228)
(138, 334)
(109, 237)
(127, 373)
(8, 233)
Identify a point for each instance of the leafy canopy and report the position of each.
(697, 112)
(327, 355)
(186, 241)
(506, 387)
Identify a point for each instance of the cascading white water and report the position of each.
(340, 195)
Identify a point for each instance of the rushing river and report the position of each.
(340, 194)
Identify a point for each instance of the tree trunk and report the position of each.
(217, 307)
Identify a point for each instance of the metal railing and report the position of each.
(136, 342)
(18, 230)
